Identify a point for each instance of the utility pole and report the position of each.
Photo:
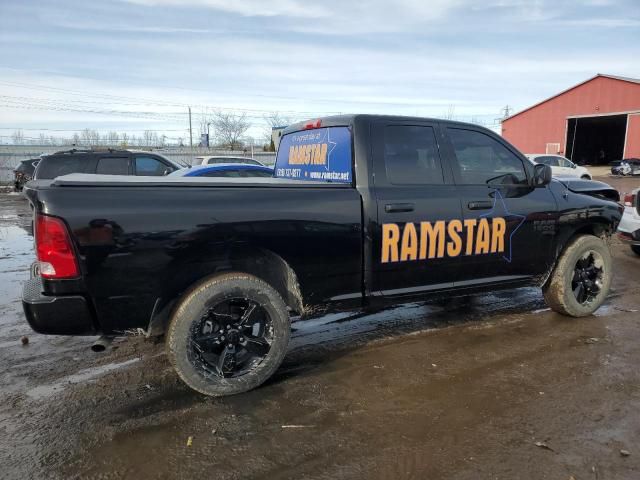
(190, 136)
(190, 131)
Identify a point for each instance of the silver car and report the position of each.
(629, 228)
(560, 166)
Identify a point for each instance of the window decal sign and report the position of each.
(321, 154)
(488, 234)
(428, 240)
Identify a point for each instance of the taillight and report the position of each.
(629, 199)
(311, 125)
(54, 249)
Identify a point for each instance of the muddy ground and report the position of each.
(483, 387)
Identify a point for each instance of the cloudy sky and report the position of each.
(132, 65)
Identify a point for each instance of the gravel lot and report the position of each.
(488, 386)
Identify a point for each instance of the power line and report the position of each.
(150, 101)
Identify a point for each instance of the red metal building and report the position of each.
(594, 122)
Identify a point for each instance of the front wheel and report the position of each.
(635, 249)
(581, 279)
(585, 177)
(228, 334)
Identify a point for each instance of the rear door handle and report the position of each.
(398, 207)
(480, 205)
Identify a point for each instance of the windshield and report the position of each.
(322, 154)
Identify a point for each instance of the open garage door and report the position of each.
(596, 140)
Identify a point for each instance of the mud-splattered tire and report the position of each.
(635, 249)
(189, 313)
(558, 291)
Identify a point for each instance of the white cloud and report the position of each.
(331, 16)
(249, 8)
(602, 22)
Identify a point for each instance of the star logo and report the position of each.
(332, 146)
(500, 209)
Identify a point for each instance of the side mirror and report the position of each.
(573, 165)
(541, 175)
(166, 172)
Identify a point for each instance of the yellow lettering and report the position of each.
(482, 239)
(323, 154)
(454, 247)
(409, 248)
(433, 235)
(470, 226)
(390, 238)
(497, 236)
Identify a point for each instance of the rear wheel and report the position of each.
(586, 177)
(228, 335)
(581, 280)
(635, 249)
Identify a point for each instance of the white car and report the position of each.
(560, 166)
(213, 159)
(629, 228)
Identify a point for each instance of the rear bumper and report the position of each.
(632, 238)
(629, 227)
(63, 315)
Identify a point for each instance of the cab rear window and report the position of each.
(320, 154)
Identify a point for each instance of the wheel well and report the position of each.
(274, 270)
(261, 263)
(597, 229)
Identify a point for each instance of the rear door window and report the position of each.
(548, 160)
(113, 166)
(320, 154)
(411, 156)
(150, 166)
(52, 167)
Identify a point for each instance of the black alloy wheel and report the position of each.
(231, 338)
(588, 276)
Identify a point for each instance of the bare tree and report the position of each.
(147, 138)
(42, 139)
(273, 120)
(17, 137)
(449, 114)
(124, 140)
(85, 137)
(229, 128)
(89, 138)
(112, 139)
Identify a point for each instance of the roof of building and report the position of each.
(598, 75)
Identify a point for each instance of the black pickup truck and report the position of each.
(363, 211)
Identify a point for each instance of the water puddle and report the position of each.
(44, 391)
(605, 310)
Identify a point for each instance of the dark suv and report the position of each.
(24, 172)
(105, 162)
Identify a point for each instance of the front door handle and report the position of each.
(481, 205)
(398, 207)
